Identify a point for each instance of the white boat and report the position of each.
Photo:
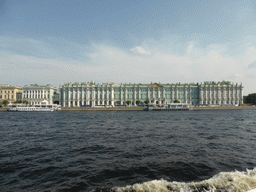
(35, 108)
(168, 107)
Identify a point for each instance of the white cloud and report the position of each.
(105, 63)
(140, 51)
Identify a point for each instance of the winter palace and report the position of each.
(112, 94)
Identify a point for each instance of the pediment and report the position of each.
(155, 85)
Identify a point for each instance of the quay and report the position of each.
(2, 109)
(102, 109)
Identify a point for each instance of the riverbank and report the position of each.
(223, 108)
(102, 109)
(141, 108)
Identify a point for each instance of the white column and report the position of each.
(224, 95)
(64, 97)
(241, 95)
(200, 96)
(219, 96)
(69, 97)
(233, 95)
(125, 94)
(98, 95)
(213, 95)
(107, 95)
(204, 89)
(112, 97)
(87, 96)
(82, 90)
(121, 95)
(78, 96)
(93, 97)
(236, 94)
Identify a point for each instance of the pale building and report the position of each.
(10, 93)
(221, 93)
(35, 94)
(111, 94)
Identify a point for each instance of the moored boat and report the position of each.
(168, 107)
(35, 108)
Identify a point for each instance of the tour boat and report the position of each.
(168, 107)
(35, 108)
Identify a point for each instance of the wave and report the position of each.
(236, 181)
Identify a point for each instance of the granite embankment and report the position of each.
(224, 108)
(141, 108)
(102, 109)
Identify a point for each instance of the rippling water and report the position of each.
(128, 151)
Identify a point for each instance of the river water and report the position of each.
(128, 151)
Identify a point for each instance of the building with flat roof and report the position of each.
(35, 93)
(111, 94)
(10, 93)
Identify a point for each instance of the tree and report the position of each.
(128, 102)
(18, 101)
(118, 103)
(146, 102)
(5, 102)
(176, 101)
(25, 102)
(138, 102)
(250, 99)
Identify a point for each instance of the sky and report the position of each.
(136, 41)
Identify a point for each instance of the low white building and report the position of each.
(111, 94)
(35, 94)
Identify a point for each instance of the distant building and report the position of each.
(111, 94)
(35, 94)
(10, 93)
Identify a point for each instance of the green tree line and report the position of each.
(250, 99)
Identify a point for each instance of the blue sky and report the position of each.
(137, 41)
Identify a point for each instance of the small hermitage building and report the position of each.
(35, 93)
(112, 94)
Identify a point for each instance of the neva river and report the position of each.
(128, 151)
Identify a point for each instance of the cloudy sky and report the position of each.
(121, 41)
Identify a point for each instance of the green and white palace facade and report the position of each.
(112, 94)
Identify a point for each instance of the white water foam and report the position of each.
(224, 181)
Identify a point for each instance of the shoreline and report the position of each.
(141, 108)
